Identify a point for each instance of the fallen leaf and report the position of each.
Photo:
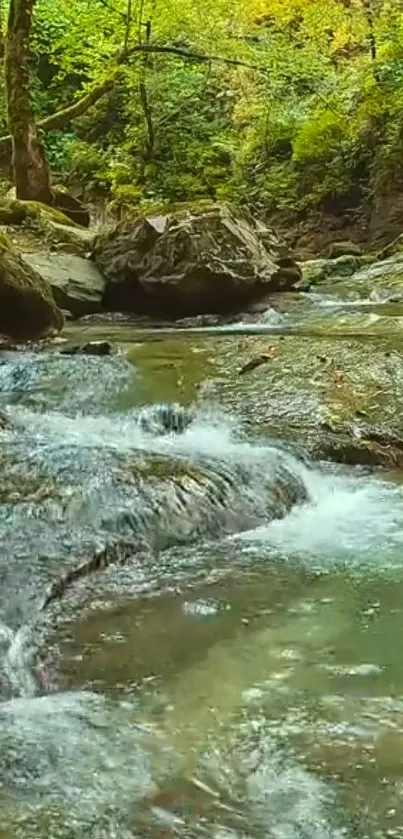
(257, 360)
(271, 352)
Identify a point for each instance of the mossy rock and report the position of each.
(134, 209)
(315, 271)
(35, 226)
(48, 236)
(16, 212)
(27, 307)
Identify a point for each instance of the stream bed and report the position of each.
(237, 673)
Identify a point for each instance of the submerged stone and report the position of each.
(90, 348)
(166, 418)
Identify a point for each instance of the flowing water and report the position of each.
(238, 674)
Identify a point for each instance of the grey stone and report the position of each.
(186, 264)
(76, 283)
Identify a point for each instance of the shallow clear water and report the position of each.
(240, 676)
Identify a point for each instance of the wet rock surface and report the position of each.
(135, 484)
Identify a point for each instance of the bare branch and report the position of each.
(65, 115)
(140, 33)
(193, 56)
(128, 18)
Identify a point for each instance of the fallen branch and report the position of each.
(193, 56)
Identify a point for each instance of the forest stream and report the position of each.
(235, 670)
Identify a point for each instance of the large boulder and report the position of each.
(27, 307)
(188, 263)
(76, 283)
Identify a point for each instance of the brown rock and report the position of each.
(347, 248)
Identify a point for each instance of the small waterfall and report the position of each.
(105, 493)
(77, 481)
(184, 477)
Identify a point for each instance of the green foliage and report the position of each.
(322, 136)
(319, 122)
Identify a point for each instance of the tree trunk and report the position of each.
(1, 36)
(369, 14)
(30, 168)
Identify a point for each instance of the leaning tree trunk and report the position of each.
(30, 168)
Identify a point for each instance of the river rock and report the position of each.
(347, 248)
(76, 283)
(315, 271)
(183, 264)
(27, 307)
(337, 395)
(166, 419)
(68, 238)
(90, 348)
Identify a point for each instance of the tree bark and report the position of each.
(368, 11)
(2, 46)
(148, 117)
(30, 168)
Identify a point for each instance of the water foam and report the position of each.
(210, 433)
(352, 518)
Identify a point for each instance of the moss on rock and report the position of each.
(27, 307)
(15, 212)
